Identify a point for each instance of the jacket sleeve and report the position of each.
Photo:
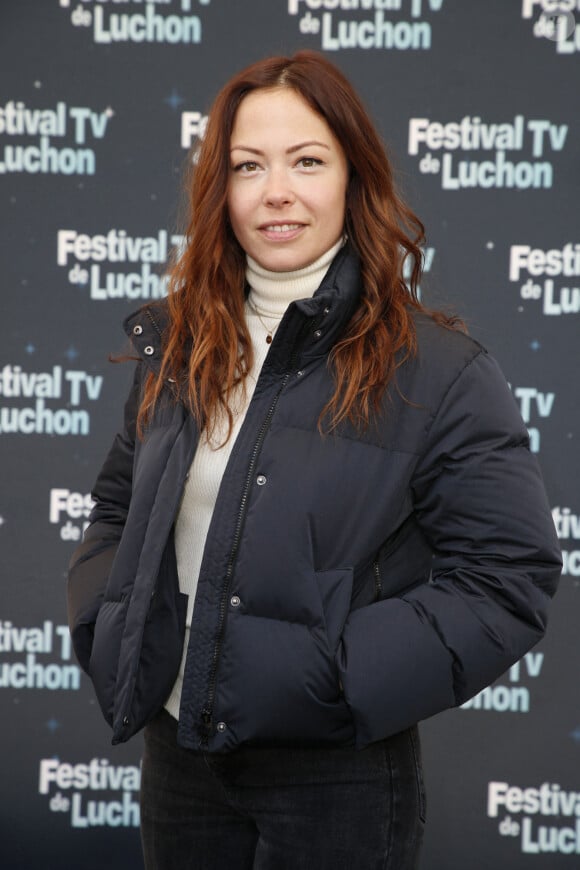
(480, 502)
(91, 562)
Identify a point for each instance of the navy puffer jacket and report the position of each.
(351, 584)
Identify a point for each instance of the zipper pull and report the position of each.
(205, 728)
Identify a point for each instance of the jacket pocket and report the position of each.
(402, 562)
(104, 660)
(87, 581)
(335, 589)
(162, 640)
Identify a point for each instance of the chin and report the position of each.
(284, 262)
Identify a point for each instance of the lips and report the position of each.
(281, 231)
(280, 228)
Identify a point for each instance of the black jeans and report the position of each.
(290, 808)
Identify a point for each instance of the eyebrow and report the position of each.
(290, 150)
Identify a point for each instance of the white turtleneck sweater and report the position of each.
(270, 295)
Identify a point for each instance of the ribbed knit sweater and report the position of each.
(270, 295)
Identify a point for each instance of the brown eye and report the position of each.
(247, 166)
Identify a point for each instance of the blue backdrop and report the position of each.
(100, 101)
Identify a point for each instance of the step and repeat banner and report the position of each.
(100, 102)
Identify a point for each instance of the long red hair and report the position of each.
(207, 347)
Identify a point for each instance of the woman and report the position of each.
(321, 522)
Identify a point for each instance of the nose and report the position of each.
(278, 190)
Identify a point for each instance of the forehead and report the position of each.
(277, 112)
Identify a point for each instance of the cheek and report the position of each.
(336, 206)
(337, 194)
(236, 211)
(340, 199)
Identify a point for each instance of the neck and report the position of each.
(272, 292)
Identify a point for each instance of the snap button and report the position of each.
(318, 333)
(149, 350)
(261, 479)
(299, 373)
(326, 311)
(235, 601)
(137, 330)
(221, 727)
(125, 720)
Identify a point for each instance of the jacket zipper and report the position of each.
(386, 550)
(207, 710)
(153, 322)
(378, 581)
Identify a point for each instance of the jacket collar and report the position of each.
(146, 327)
(332, 306)
(319, 320)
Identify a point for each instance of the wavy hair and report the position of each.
(207, 347)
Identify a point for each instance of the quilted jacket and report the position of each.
(351, 584)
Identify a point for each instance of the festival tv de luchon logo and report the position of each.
(134, 21)
(55, 140)
(393, 25)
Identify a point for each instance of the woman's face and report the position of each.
(288, 179)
